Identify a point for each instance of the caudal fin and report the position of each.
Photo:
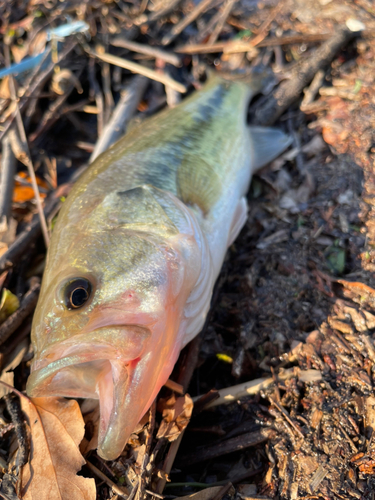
(267, 144)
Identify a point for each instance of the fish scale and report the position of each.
(137, 248)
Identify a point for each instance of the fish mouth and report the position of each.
(93, 370)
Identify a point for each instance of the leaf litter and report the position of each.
(294, 307)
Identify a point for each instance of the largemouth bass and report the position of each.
(136, 250)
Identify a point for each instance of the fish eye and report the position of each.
(76, 293)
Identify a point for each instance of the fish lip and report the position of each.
(41, 372)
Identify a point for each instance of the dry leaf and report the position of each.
(23, 193)
(176, 416)
(91, 414)
(8, 305)
(57, 428)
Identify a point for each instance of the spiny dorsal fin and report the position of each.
(138, 209)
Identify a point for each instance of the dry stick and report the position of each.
(286, 415)
(27, 306)
(202, 35)
(164, 11)
(42, 78)
(233, 46)
(289, 90)
(17, 339)
(312, 91)
(221, 21)
(121, 116)
(176, 30)
(33, 103)
(146, 458)
(142, 70)
(230, 445)
(224, 490)
(14, 409)
(264, 28)
(26, 159)
(16, 251)
(174, 386)
(231, 394)
(122, 492)
(184, 379)
(141, 48)
(99, 100)
(52, 114)
(8, 170)
(107, 91)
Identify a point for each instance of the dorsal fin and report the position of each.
(199, 184)
(137, 209)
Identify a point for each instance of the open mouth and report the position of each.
(93, 370)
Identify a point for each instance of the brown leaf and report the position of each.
(57, 428)
(23, 193)
(176, 416)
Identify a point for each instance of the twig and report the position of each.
(290, 90)
(27, 306)
(264, 28)
(184, 378)
(203, 401)
(107, 91)
(234, 444)
(42, 78)
(174, 386)
(224, 490)
(233, 46)
(29, 235)
(189, 18)
(312, 91)
(286, 416)
(253, 387)
(146, 458)
(27, 158)
(142, 70)
(164, 11)
(123, 112)
(52, 113)
(122, 492)
(14, 409)
(221, 21)
(141, 48)
(99, 100)
(17, 339)
(8, 169)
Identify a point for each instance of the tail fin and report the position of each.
(267, 144)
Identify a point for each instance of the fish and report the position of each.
(137, 248)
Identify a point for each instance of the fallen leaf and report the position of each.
(91, 414)
(23, 190)
(57, 428)
(176, 416)
(8, 305)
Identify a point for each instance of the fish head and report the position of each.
(107, 319)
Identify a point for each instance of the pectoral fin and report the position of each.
(267, 144)
(238, 221)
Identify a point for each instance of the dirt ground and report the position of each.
(295, 301)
